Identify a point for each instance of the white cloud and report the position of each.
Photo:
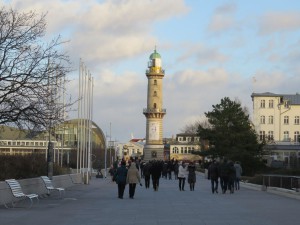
(203, 55)
(114, 36)
(223, 19)
(279, 22)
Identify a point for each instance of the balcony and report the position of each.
(155, 70)
(153, 110)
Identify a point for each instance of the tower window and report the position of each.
(155, 82)
(155, 93)
(154, 105)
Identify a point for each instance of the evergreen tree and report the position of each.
(231, 136)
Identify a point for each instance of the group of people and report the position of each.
(124, 175)
(132, 173)
(229, 174)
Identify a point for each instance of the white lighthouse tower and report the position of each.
(154, 148)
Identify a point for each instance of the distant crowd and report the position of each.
(133, 171)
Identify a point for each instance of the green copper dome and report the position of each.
(155, 55)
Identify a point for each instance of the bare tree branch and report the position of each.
(32, 72)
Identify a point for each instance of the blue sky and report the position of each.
(210, 50)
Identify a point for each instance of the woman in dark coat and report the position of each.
(156, 169)
(191, 175)
(120, 178)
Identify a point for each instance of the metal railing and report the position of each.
(281, 181)
(153, 110)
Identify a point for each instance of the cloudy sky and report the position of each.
(210, 50)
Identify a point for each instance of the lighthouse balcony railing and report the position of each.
(154, 110)
(155, 70)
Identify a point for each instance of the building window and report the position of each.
(286, 136)
(154, 105)
(262, 119)
(262, 135)
(271, 119)
(155, 82)
(297, 119)
(271, 103)
(286, 120)
(262, 103)
(296, 136)
(270, 135)
(286, 104)
(155, 93)
(175, 150)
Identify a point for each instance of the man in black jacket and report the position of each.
(213, 174)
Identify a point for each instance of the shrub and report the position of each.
(26, 166)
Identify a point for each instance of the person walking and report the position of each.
(176, 168)
(238, 174)
(133, 177)
(213, 174)
(191, 175)
(231, 177)
(120, 178)
(170, 168)
(147, 174)
(156, 170)
(181, 175)
(224, 175)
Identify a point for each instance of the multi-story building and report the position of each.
(183, 146)
(134, 148)
(276, 118)
(65, 141)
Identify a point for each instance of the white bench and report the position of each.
(17, 192)
(49, 186)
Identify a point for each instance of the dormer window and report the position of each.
(286, 104)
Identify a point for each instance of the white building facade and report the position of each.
(130, 149)
(183, 147)
(276, 118)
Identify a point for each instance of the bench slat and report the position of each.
(17, 192)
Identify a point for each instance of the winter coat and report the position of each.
(231, 171)
(155, 170)
(192, 174)
(147, 169)
(213, 171)
(181, 171)
(238, 170)
(133, 175)
(224, 170)
(121, 175)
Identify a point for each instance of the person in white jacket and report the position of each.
(181, 175)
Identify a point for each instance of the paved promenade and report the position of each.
(97, 203)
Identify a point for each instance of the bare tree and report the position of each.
(192, 128)
(32, 72)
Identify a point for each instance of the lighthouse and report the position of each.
(154, 113)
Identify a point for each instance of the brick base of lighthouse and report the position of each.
(153, 152)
